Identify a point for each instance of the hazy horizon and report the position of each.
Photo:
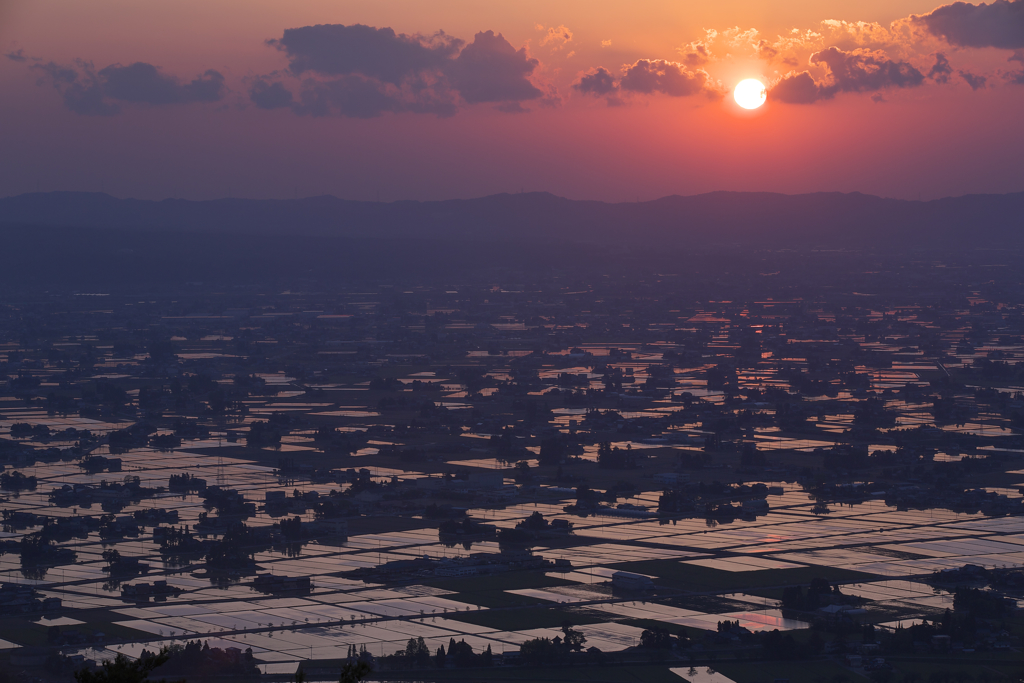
(393, 100)
(513, 193)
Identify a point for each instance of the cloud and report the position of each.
(17, 56)
(861, 70)
(380, 53)
(490, 70)
(559, 36)
(646, 77)
(999, 24)
(353, 96)
(399, 73)
(357, 96)
(143, 83)
(698, 52)
(851, 35)
(976, 82)
(267, 95)
(794, 47)
(1015, 77)
(796, 88)
(941, 70)
(606, 43)
(91, 93)
(855, 71)
(650, 76)
(79, 88)
(597, 82)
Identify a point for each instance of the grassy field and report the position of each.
(497, 582)
(527, 618)
(26, 632)
(675, 574)
(992, 664)
(497, 598)
(797, 672)
(643, 673)
(489, 591)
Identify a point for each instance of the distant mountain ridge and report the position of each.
(717, 218)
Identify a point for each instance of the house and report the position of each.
(632, 582)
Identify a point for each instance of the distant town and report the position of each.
(796, 466)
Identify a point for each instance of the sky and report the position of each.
(587, 99)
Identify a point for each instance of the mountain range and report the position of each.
(718, 218)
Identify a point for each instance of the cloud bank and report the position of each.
(361, 72)
(856, 71)
(100, 93)
(647, 77)
(999, 24)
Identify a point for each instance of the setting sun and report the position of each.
(750, 93)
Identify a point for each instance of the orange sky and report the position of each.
(71, 119)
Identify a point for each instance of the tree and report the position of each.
(123, 670)
(462, 653)
(616, 458)
(353, 672)
(534, 522)
(656, 638)
(574, 640)
(111, 557)
(751, 457)
(538, 651)
(552, 451)
(417, 652)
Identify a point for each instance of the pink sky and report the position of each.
(585, 99)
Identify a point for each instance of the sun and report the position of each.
(750, 93)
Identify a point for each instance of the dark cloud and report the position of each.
(65, 75)
(796, 89)
(854, 71)
(646, 76)
(999, 24)
(357, 96)
(267, 95)
(599, 82)
(976, 82)
(79, 87)
(143, 83)
(766, 50)
(86, 91)
(398, 73)
(17, 56)
(352, 96)
(339, 50)
(941, 70)
(860, 71)
(650, 76)
(697, 55)
(490, 70)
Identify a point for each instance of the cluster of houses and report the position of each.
(18, 599)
